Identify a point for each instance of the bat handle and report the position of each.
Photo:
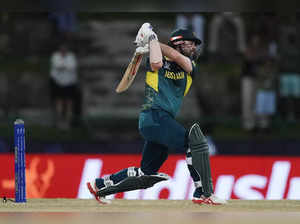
(138, 61)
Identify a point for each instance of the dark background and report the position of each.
(107, 122)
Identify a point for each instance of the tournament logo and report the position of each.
(38, 178)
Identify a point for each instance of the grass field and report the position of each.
(149, 211)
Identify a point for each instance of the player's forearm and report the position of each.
(155, 54)
(169, 52)
(176, 56)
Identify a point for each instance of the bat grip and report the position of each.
(138, 61)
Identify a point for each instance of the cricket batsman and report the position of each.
(168, 79)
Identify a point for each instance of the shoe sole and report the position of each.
(89, 186)
(205, 202)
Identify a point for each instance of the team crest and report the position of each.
(167, 65)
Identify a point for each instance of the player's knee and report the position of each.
(197, 139)
(195, 134)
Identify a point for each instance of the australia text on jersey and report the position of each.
(173, 75)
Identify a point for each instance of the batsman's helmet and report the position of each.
(183, 34)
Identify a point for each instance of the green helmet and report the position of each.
(183, 34)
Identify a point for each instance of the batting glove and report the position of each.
(142, 38)
(142, 50)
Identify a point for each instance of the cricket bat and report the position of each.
(130, 73)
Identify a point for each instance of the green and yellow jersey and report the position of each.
(166, 88)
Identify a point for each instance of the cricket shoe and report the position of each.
(93, 190)
(211, 200)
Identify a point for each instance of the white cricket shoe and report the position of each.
(211, 200)
(93, 190)
(142, 37)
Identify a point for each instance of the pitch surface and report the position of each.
(149, 211)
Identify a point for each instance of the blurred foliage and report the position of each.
(16, 65)
(102, 128)
(107, 129)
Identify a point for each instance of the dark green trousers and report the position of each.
(161, 132)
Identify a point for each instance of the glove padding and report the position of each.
(142, 50)
(142, 37)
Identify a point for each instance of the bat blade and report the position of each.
(130, 73)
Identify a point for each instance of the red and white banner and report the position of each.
(243, 177)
